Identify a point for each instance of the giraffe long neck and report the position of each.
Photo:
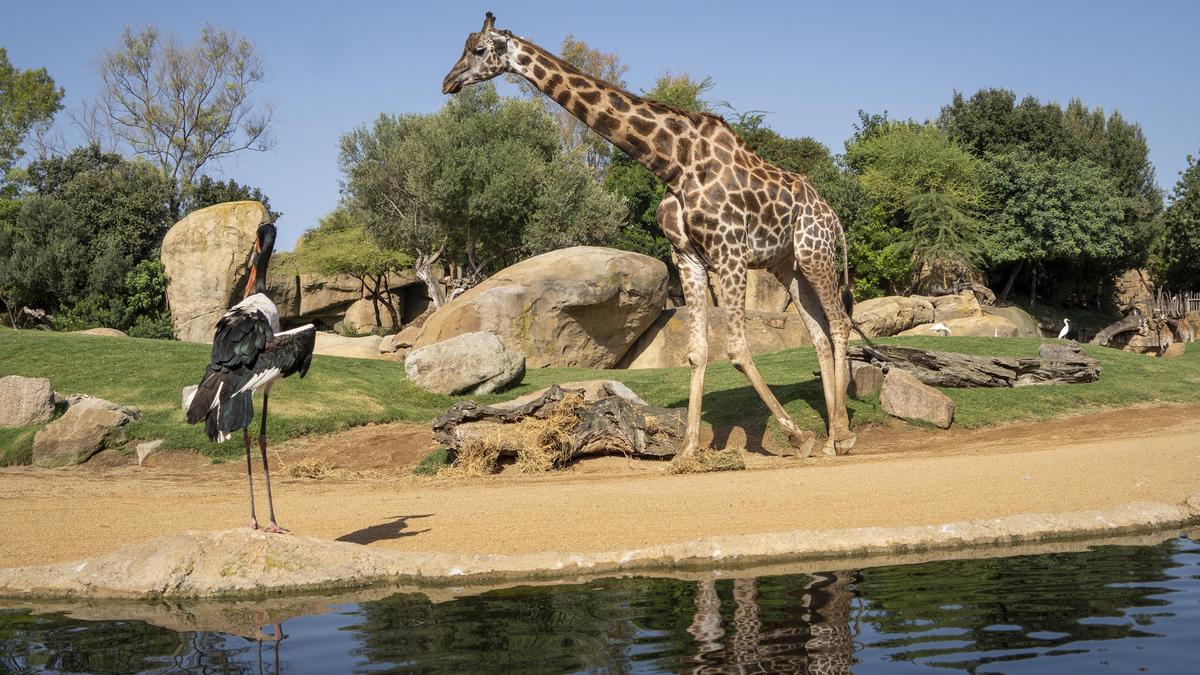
(653, 134)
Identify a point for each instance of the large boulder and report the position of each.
(472, 363)
(206, 258)
(327, 298)
(283, 285)
(89, 426)
(865, 379)
(332, 344)
(25, 401)
(581, 306)
(889, 315)
(665, 343)
(975, 326)
(361, 315)
(1023, 321)
(961, 306)
(903, 395)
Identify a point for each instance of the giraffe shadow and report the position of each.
(740, 409)
(394, 528)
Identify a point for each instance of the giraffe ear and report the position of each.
(489, 21)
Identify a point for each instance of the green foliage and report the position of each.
(433, 462)
(79, 237)
(340, 246)
(942, 241)
(1181, 230)
(906, 159)
(28, 101)
(209, 192)
(1060, 216)
(485, 178)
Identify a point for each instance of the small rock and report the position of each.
(80, 433)
(25, 401)
(1193, 503)
(1056, 352)
(903, 395)
(1174, 350)
(189, 392)
(471, 363)
(88, 402)
(144, 450)
(865, 379)
(331, 344)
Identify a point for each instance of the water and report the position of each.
(1114, 608)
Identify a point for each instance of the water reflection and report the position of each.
(1121, 607)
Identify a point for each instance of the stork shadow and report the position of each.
(395, 527)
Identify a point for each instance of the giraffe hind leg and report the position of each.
(822, 280)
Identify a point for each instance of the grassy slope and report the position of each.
(339, 392)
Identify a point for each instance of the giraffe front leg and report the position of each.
(695, 289)
(733, 293)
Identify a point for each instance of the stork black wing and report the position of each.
(242, 336)
(291, 352)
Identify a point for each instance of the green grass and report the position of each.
(339, 393)
(16, 445)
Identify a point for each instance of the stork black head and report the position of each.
(264, 243)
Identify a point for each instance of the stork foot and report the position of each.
(253, 524)
(276, 529)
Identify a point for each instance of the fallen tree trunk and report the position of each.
(1057, 364)
(550, 430)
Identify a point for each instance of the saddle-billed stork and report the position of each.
(248, 355)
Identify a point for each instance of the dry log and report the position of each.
(1057, 364)
(553, 429)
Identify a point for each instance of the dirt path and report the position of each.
(903, 477)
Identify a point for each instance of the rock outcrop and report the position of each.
(25, 401)
(361, 315)
(332, 344)
(903, 395)
(974, 326)
(1022, 321)
(89, 426)
(665, 342)
(103, 332)
(582, 306)
(471, 363)
(882, 317)
(960, 306)
(206, 257)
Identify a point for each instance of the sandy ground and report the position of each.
(898, 476)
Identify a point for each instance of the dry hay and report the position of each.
(707, 459)
(539, 445)
(319, 468)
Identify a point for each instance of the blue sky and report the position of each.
(335, 65)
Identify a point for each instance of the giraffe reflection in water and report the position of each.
(816, 633)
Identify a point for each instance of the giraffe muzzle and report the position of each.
(454, 80)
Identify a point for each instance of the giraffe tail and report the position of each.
(847, 292)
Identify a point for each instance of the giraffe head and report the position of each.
(486, 54)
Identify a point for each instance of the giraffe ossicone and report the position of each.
(726, 208)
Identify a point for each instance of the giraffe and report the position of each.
(726, 208)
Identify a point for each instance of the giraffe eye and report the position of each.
(479, 51)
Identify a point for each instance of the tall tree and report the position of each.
(1054, 219)
(28, 101)
(339, 245)
(209, 191)
(1181, 225)
(184, 106)
(472, 187)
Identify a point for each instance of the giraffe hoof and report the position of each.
(803, 441)
(841, 446)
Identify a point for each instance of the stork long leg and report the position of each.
(272, 526)
(249, 478)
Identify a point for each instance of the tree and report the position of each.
(474, 186)
(209, 192)
(942, 243)
(339, 245)
(1055, 218)
(576, 136)
(85, 222)
(184, 106)
(1181, 230)
(28, 101)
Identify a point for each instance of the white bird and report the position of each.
(248, 355)
(940, 327)
(1065, 329)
